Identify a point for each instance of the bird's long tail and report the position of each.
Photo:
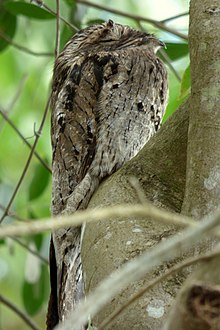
(68, 287)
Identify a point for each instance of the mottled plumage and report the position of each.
(109, 94)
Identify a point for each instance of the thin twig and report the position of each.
(135, 184)
(26, 247)
(87, 216)
(17, 93)
(57, 45)
(28, 162)
(154, 282)
(13, 215)
(158, 24)
(42, 4)
(22, 48)
(14, 99)
(174, 17)
(168, 61)
(4, 115)
(112, 212)
(19, 312)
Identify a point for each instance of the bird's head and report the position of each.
(111, 36)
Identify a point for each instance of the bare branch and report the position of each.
(28, 161)
(79, 217)
(4, 115)
(42, 4)
(90, 215)
(22, 48)
(26, 247)
(168, 61)
(14, 99)
(174, 17)
(19, 312)
(17, 93)
(12, 214)
(135, 184)
(158, 24)
(57, 46)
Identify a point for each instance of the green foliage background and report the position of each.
(24, 89)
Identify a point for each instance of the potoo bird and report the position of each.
(109, 95)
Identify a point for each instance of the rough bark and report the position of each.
(197, 306)
(203, 154)
(160, 168)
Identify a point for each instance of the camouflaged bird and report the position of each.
(109, 95)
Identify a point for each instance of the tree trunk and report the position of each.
(203, 151)
(197, 305)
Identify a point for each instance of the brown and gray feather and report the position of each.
(109, 96)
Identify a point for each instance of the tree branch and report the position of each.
(57, 46)
(158, 24)
(174, 17)
(22, 48)
(13, 215)
(19, 312)
(4, 115)
(79, 217)
(28, 161)
(41, 3)
(27, 248)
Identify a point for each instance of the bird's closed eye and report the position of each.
(107, 40)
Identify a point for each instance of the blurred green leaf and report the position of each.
(31, 214)
(76, 16)
(173, 102)
(95, 21)
(185, 87)
(7, 27)
(70, 3)
(176, 51)
(38, 209)
(39, 182)
(27, 9)
(34, 294)
(38, 240)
